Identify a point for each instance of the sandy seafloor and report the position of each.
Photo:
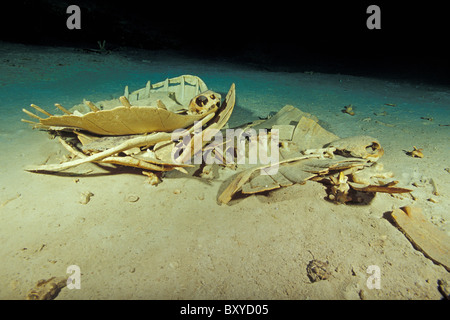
(176, 242)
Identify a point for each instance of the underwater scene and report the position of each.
(139, 174)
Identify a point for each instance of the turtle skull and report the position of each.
(364, 147)
(204, 102)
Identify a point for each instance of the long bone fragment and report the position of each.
(128, 161)
(132, 143)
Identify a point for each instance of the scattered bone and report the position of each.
(419, 184)
(47, 289)
(435, 189)
(85, 197)
(444, 288)
(415, 153)
(427, 238)
(153, 178)
(385, 124)
(9, 200)
(207, 172)
(387, 188)
(132, 198)
(349, 110)
(201, 197)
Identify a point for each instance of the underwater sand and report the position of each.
(176, 242)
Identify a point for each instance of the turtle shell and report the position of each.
(125, 120)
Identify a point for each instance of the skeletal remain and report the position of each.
(364, 147)
(130, 115)
(323, 152)
(416, 153)
(110, 147)
(435, 189)
(371, 175)
(340, 188)
(47, 289)
(153, 178)
(204, 102)
(136, 142)
(207, 172)
(85, 197)
(237, 183)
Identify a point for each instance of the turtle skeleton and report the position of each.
(141, 126)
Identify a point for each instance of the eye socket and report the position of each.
(201, 100)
